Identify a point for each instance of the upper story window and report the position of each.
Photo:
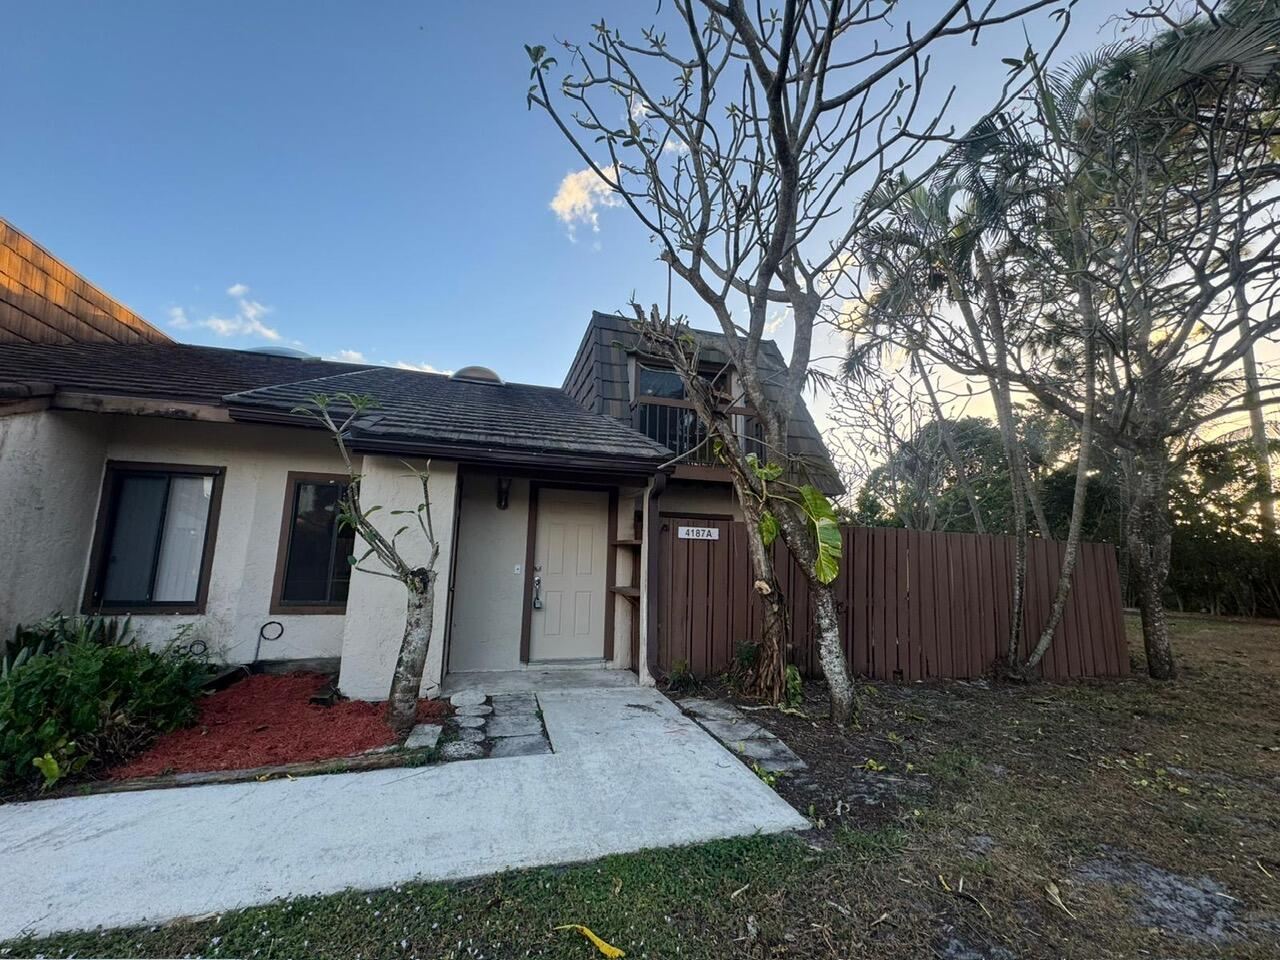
(313, 571)
(657, 383)
(153, 547)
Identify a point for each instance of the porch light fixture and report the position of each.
(504, 492)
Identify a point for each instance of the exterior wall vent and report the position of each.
(476, 375)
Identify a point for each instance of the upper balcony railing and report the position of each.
(675, 425)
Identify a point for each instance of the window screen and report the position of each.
(156, 537)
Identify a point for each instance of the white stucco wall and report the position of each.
(257, 460)
(374, 623)
(50, 475)
(489, 579)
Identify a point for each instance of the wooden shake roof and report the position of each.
(42, 300)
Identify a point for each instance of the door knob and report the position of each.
(537, 591)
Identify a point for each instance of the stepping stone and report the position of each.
(514, 726)
(423, 735)
(471, 736)
(472, 722)
(514, 703)
(710, 709)
(461, 750)
(731, 731)
(520, 747)
(467, 698)
(481, 710)
(772, 754)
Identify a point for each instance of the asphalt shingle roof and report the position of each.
(430, 408)
(168, 371)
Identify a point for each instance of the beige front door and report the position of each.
(570, 546)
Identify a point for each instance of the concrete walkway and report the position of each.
(629, 772)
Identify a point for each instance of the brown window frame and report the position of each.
(105, 519)
(278, 604)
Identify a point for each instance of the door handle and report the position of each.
(537, 591)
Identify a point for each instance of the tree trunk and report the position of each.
(767, 677)
(1149, 535)
(1072, 550)
(1033, 498)
(1261, 446)
(406, 682)
(949, 444)
(835, 669)
(1257, 424)
(831, 653)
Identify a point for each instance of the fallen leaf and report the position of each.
(1051, 889)
(607, 949)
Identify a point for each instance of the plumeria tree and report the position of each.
(746, 142)
(338, 415)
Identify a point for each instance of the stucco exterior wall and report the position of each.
(257, 460)
(489, 578)
(374, 624)
(50, 475)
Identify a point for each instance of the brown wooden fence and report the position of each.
(913, 606)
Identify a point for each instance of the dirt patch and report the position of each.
(1195, 907)
(267, 720)
(1098, 819)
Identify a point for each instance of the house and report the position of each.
(178, 484)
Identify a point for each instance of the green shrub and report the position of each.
(86, 701)
(680, 678)
(47, 635)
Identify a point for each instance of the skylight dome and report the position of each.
(477, 374)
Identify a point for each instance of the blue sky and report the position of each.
(350, 176)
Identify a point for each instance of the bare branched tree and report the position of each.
(747, 144)
(419, 580)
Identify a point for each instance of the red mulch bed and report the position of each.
(268, 720)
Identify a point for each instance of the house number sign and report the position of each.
(698, 533)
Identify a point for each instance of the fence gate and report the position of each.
(913, 606)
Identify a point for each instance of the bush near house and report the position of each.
(85, 694)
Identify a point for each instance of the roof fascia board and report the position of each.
(138, 406)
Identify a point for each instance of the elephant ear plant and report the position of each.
(419, 579)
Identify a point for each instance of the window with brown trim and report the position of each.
(153, 546)
(313, 568)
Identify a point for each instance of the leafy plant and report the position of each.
(795, 687)
(813, 504)
(680, 677)
(769, 778)
(45, 636)
(89, 701)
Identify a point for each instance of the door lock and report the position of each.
(537, 593)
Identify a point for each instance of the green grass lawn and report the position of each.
(1028, 789)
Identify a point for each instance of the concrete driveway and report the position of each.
(629, 772)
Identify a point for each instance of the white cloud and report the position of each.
(774, 323)
(579, 197)
(246, 321)
(253, 310)
(348, 356)
(421, 367)
(240, 326)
